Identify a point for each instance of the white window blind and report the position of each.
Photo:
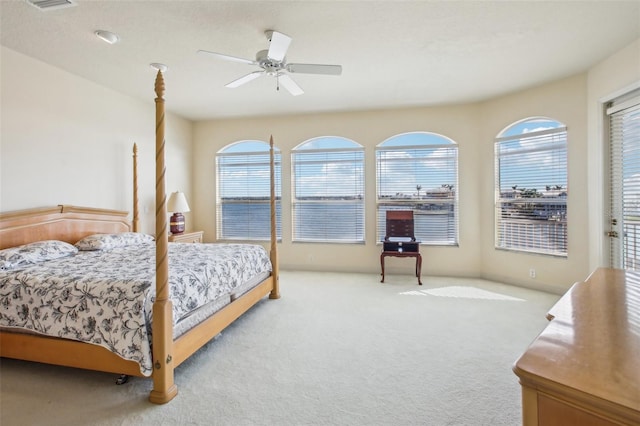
(624, 130)
(419, 171)
(531, 188)
(243, 207)
(328, 191)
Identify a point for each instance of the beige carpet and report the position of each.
(336, 349)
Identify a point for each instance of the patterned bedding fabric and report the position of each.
(106, 297)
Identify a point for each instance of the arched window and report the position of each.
(328, 190)
(419, 171)
(243, 191)
(531, 187)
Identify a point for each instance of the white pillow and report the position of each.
(40, 251)
(111, 241)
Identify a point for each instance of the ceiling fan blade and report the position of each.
(228, 57)
(290, 85)
(315, 69)
(245, 79)
(278, 46)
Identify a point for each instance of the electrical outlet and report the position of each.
(532, 273)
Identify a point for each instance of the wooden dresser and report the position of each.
(584, 368)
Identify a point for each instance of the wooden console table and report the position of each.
(584, 368)
(397, 253)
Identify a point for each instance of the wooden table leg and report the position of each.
(382, 265)
(419, 267)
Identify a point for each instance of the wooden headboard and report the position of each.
(63, 222)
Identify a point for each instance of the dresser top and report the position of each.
(591, 347)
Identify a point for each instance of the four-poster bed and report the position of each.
(70, 224)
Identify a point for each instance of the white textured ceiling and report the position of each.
(394, 53)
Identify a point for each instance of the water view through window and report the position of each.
(418, 171)
(531, 187)
(243, 201)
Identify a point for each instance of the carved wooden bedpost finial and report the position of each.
(159, 86)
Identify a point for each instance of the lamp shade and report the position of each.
(177, 203)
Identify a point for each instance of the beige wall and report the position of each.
(565, 101)
(369, 129)
(65, 140)
(474, 128)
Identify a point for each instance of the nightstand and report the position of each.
(186, 237)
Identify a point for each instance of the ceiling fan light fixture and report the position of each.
(158, 66)
(107, 36)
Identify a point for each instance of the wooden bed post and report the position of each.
(136, 212)
(164, 388)
(275, 292)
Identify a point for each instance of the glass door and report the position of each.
(624, 210)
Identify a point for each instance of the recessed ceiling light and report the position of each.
(158, 66)
(107, 36)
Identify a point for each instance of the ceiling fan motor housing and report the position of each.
(268, 64)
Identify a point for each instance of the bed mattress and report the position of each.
(106, 297)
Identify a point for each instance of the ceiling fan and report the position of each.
(274, 63)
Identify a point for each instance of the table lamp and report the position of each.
(177, 205)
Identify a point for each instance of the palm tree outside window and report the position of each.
(531, 187)
(418, 171)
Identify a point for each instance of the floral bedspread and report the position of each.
(106, 297)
